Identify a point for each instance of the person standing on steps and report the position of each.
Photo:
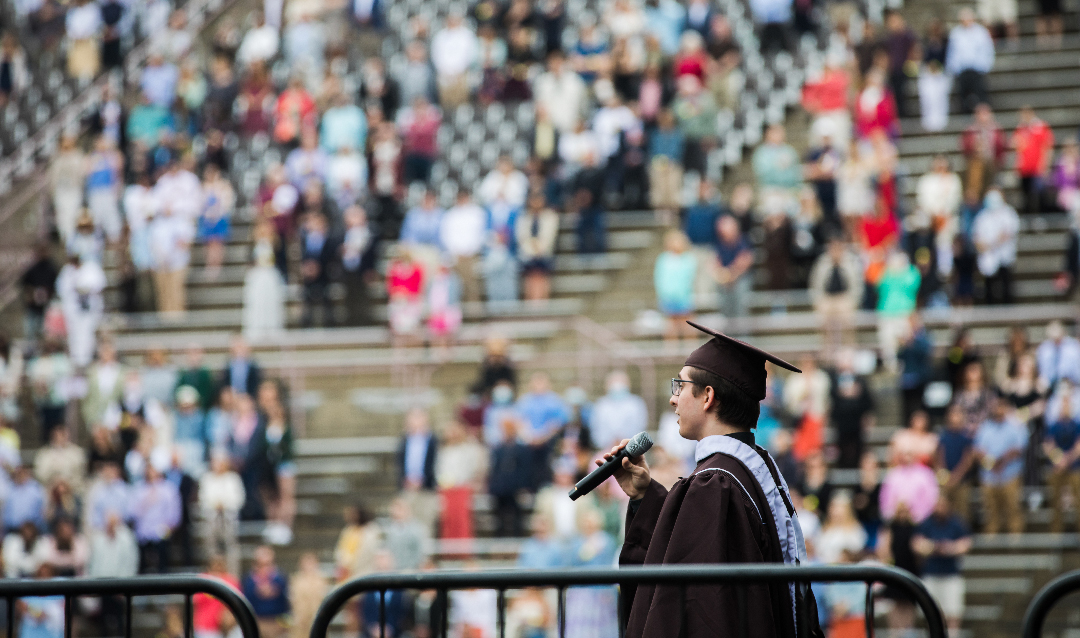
(734, 508)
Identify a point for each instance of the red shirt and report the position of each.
(878, 231)
(207, 610)
(827, 94)
(404, 279)
(883, 116)
(295, 109)
(1032, 141)
(419, 132)
(690, 65)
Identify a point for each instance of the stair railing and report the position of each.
(1044, 601)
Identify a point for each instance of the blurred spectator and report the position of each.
(417, 452)
(108, 496)
(419, 127)
(460, 471)
(773, 16)
(159, 80)
(215, 218)
(62, 460)
(241, 372)
(407, 540)
(42, 616)
(999, 446)
(113, 550)
(1066, 179)
(1001, 14)
(453, 50)
(866, 499)
(536, 233)
(900, 44)
(667, 145)
(973, 396)
(815, 488)
(404, 285)
(840, 532)
(221, 496)
(896, 301)
(88, 242)
(264, 287)
(1016, 348)
(1058, 356)
(1061, 447)
(875, 108)
(942, 539)
(995, 234)
(25, 501)
(777, 172)
(915, 356)
(23, 551)
(938, 196)
(272, 449)
(509, 474)
(65, 551)
(208, 613)
(307, 588)
(969, 58)
(79, 287)
(673, 277)
(155, 512)
(496, 367)
(48, 375)
(587, 199)
(67, 175)
(357, 544)
(14, 77)
(293, 112)
(1033, 142)
(83, 26)
(504, 189)
(909, 489)
(104, 179)
(836, 289)
(561, 93)
(421, 228)
(462, 236)
(499, 268)
(934, 87)
(307, 161)
(357, 263)
(695, 111)
(734, 258)
(170, 241)
(416, 77)
(267, 589)
(618, 414)
(851, 410)
(915, 443)
(543, 409)
(592, 608)
(806, 399)
(38, 285)
(260, 43)
(826, 99)
(317, 253)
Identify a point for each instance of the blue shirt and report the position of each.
(542, 554)
(493, 418)
(105, 499)
(344, 127)
(669, 144)
(543, 413)
(728, 253)
(700, 225)
(665, 21)
(190, 426)
(995, 440)
(156, 510)
(24, 503)
(954, 444)
(935, 528)
(421, 226)
(273, 606)
(1064, 434)
(159, 84)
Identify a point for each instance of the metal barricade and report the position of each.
(683, 576)
(128, 588)
(1044, 601)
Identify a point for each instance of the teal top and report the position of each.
(898, 291)
(674, 276)
(778, 166)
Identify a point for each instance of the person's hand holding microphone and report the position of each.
(626, 462)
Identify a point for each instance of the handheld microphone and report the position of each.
(636, 446)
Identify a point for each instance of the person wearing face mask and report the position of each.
(995, 233)
(500, 408)
(618, 414)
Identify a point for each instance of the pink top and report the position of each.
(914, 485)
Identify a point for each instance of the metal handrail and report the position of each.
(1044, 601)
(185, 585)
(683, 575)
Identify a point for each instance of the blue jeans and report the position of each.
(592, 236)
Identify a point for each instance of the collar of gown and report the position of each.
(710, 445)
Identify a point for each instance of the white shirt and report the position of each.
(970, 48)
(463, 230)
(939, 194)
(259, 45)
(507, 188)
(139, 205)
(347, 172)
(181, 192)
(573, 146)
(608, 123)
(170, 242)
(83, 22)
(563, 96)
(453, 51)
(995, 233)
(616, 417)
(222, 491)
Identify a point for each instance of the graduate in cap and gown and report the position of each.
(734, 508)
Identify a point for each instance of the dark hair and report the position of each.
(732, 405)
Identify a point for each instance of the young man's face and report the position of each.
(689, 408)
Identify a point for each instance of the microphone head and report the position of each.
(639, 445)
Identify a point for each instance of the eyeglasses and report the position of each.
(677, 384)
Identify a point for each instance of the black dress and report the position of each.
(1036, 430)
(901, 534)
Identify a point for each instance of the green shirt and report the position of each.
(898, 291)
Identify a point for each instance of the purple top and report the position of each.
(156, 510)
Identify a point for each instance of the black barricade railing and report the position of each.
(128, 588)
(682, 576)
(1044, 601)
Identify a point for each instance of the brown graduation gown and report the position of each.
(707, 517)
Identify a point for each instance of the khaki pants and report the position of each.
(465, 267)
(273, 627)
(1060, 482)
(453, 92)
(171, 292)
(891, 331)
(837, 321)
(665, 184)
(959, 497)
(1001, 504)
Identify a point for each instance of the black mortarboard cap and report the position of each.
(738, 362)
